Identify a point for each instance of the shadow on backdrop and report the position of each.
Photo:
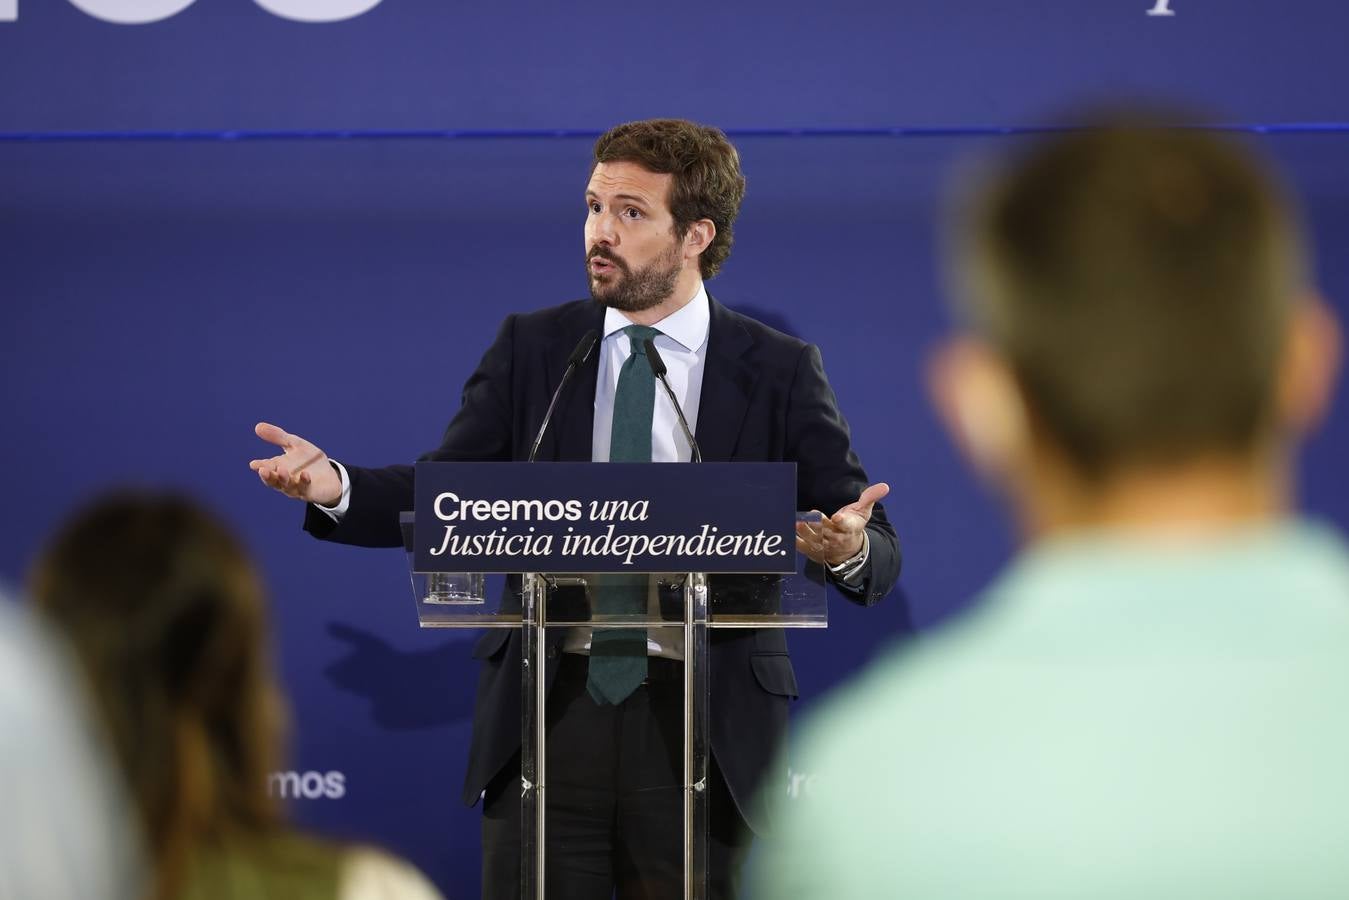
(407, 690)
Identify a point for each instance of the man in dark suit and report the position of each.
(662, 198)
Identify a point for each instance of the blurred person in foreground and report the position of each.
(1149, 701)
(166, 615)
(64, 833)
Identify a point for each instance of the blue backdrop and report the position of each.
(159, 297)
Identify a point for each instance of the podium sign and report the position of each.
(619, 517)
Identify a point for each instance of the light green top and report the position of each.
(282, 866)
(1121, 717)
(287, 865)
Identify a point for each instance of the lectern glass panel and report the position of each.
(558, 616)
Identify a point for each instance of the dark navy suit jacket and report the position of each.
(764, 398)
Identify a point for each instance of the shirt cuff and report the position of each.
(337, 512)
(851, 573)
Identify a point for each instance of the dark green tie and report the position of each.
(618, 655)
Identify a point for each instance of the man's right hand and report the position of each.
(301, 471)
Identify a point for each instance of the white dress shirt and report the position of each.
(682, 344)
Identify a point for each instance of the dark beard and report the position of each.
(636, 291)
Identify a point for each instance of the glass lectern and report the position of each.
(690, 603)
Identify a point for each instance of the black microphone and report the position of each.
(658, 369)
(575, 361)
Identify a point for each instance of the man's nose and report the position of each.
(603, 230)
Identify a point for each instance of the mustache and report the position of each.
(601, 252)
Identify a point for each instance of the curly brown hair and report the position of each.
(707, 184)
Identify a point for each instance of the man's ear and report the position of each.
(698, 238)
(1310, 366)
(979, 402)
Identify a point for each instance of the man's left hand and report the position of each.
(838, 538)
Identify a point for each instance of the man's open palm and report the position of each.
(300, 471)
(838, 538)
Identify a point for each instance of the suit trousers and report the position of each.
(615, 804)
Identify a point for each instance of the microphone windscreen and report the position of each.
(652, 357)
(583, 348)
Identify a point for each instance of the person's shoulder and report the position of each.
(547, 320)
(532, 332)
(848, 712)
(16, 634)
(36, 673)
(756, 330)
(288, 863)
(372, 874)
(918, 680)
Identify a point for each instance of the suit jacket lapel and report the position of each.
(728, 382)
(574, 417)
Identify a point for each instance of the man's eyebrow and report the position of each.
(632, 198)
